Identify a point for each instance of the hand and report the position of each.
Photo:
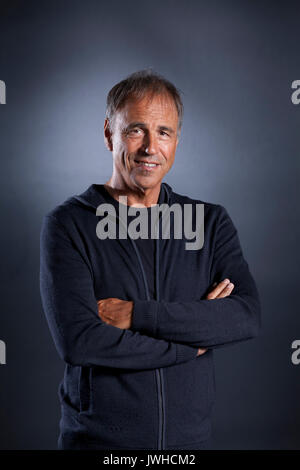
(223, 289)
(116, 312)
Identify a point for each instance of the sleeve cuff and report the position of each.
(144, 316)
(185, 353)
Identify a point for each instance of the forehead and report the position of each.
(149, 107)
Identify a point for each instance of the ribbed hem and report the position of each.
(144, 316)
(185, 353)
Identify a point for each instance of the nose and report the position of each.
(150, 144)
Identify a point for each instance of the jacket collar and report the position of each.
(96, 194)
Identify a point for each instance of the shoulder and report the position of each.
(71, 207)
(211, 209)
(216, 216)
(61, 215)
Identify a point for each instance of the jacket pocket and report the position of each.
(85, 389)
(189, 399)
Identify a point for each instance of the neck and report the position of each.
(135, 196)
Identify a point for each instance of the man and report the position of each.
(136, 320)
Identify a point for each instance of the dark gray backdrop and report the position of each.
(234, 62)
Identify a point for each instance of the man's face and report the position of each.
(144, 131)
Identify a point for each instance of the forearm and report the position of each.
(203, 323)
(206, 322)
(81, 338)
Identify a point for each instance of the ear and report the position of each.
(108, 135)
(178, 136)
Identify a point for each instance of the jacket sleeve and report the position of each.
(70, 306)
(209, 323)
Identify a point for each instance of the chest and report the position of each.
(122, 267)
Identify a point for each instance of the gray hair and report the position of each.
(136, 86)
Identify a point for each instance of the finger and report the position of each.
(227, 291)
(201, 351)
(218, 289)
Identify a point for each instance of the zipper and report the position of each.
(159, 373)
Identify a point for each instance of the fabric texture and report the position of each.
(143, 387)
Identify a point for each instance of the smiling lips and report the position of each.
(145, 165)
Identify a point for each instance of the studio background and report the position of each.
(234, 62)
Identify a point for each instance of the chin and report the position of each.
(147, 183)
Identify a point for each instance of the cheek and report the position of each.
(125, 152)
(133, 145)
(169, 152)
(128, 146)
(121, 151)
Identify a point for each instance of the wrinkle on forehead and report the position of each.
(163, 105)
(162, 99)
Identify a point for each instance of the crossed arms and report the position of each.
(118, 312)
(143, 334)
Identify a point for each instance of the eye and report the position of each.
(164, 134)
(135, 131)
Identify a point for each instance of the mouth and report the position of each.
(146, 165)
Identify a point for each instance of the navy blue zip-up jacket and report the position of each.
(143, 387)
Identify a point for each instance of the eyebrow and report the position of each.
(143, 125)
